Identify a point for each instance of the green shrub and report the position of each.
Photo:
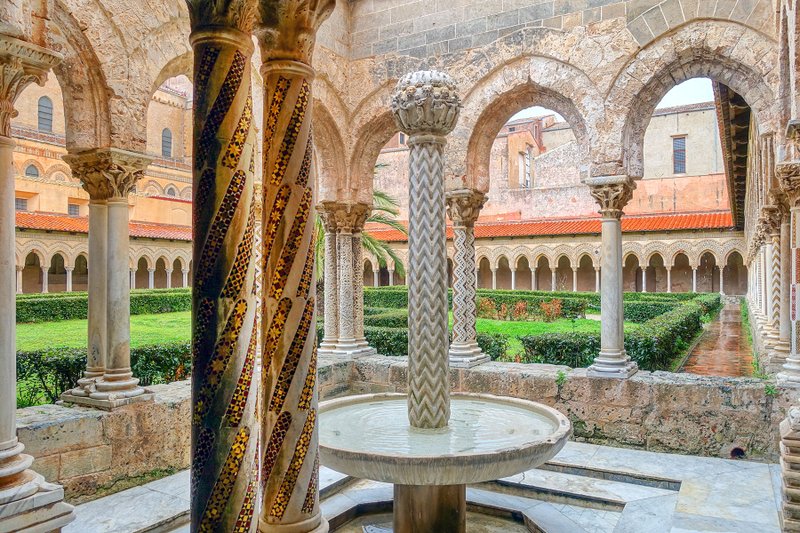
(573, 349)
(42, 375)
(388, 341)
(642, 311)
(495, 345)
(386, 297)
(387, 318)
(75, 306)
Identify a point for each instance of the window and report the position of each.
(171, 191)
(31, 171)
(45, 115)
(73, 210)
(21, 204)
(679, 155)
(166, 143)
(402, 138)
(526, 182)
(512, 129)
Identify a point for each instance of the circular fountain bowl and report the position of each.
(489, 437)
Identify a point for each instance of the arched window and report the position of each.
(171, 191)
(45, 115)
(31, 171)
(166, 143)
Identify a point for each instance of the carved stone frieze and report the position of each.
(21, 63)
(107, 172)
(464, 206)
(426, 102)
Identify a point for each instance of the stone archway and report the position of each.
(656, 276)
(735, 275)
(176, 277)
(544, 275)
(563, 274)
(57, 274)
(681, 273)
(142, 275)
(484, 274)
(707, 273)
(80, 274)
(631, 274)
(369, 274)
(586, 274)
(523, 276)
(503, 273)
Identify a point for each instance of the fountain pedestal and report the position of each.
(430, 508)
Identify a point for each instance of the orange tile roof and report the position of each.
(579, 226)
(60, 222)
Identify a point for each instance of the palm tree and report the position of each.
(384, 209)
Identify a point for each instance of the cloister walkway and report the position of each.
(724, 349)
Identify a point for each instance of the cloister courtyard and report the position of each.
(299, 266)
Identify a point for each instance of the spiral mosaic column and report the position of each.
(225, 433)
(426, 107)
(464, 206)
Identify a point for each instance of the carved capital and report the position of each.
(770, 220)
(287, 29)
(107, 172)
(21, 63)
(210, 14)
(341, 216)
(426, 102)
(464, 206)
(612, 193)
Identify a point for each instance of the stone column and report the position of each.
(133, 278)
(788, 174)
(327, 213)
(45, 279)
(19, 271)
(494, 279)
(184, 277)
(574, 280)
(391, 277)
(463, 207)
(596, 279)
(513, 278)
(772, 216)
(364, 349)
(669, 279)
(376, 280)
(694, 279)
(225, 432)
(425, 106)
(27, 502)
(553, 280)
(612, 193)
(169, 277)
(112, 173)
(290, 464)
(534, 281)
(644, 279)
(69, 278)
(782, 347)
(151, 278)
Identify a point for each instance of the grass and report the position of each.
(145, 330)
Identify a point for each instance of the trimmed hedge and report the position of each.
(73, 306)
(386, 318)
(42, 375)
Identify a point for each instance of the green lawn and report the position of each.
(145, 330)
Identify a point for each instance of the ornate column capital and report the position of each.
(107, 172)
(21, 63)
(344, 216)
(788, 170)
(426, 103)
(464, 206)
(771, 218)
(214, 15)
(287, 29)
(612, 193)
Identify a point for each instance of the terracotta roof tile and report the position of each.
(60, 222)
(581, 226)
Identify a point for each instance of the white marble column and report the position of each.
(494, 279)
(19, 279)
(721, 281)
(327, 213)
(463, 207)
(669, 279)
(612, 193)
(694, 279)
(151, 278)
(133, 278)
(644, 279)
(184, 277)
(574, 280)
(45, 279)
(513, 278)
(376, 279)
(788, 174)
(553, 279)
(596, 279)
(111, 173)
(27, 502)
(391, 277)
(169, 278)
(782, 347)
(69, 278)
(534, 281)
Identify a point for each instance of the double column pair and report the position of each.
(344, 279)
(108, 175)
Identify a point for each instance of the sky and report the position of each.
(692, 91)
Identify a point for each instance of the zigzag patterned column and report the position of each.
(464, 206)
(225, 439)
(425, 106)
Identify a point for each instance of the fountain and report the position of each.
(428, 444)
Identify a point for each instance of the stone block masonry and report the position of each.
(92, 453)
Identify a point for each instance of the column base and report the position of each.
(779, 353)
(315, 524)
(41, 512)
(789, 377)
(467, 355)
(108, 401)
(351, 349)
(612, 365)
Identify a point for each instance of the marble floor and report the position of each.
(585, 488)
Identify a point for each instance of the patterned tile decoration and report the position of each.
(797, 262)
(311, 492)
(274, 334)
(236, 408)
(304, 287)
(202, 74)
(204, 447)
(219, 361)
(219, 228)
(293, 356)
(293, 471)
(239, 139)
(305, 166)
(274, 445)
(241, 263)
(204, 187)
(275, 106)
(274, 221)
(284, 265)
(289, 140)
(207, 139)
(205, 312)
(221, 493)
(245, 519)
(304, 404)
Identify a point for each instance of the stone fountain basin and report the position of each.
(489, 437)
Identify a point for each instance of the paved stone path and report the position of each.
(723, 349)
